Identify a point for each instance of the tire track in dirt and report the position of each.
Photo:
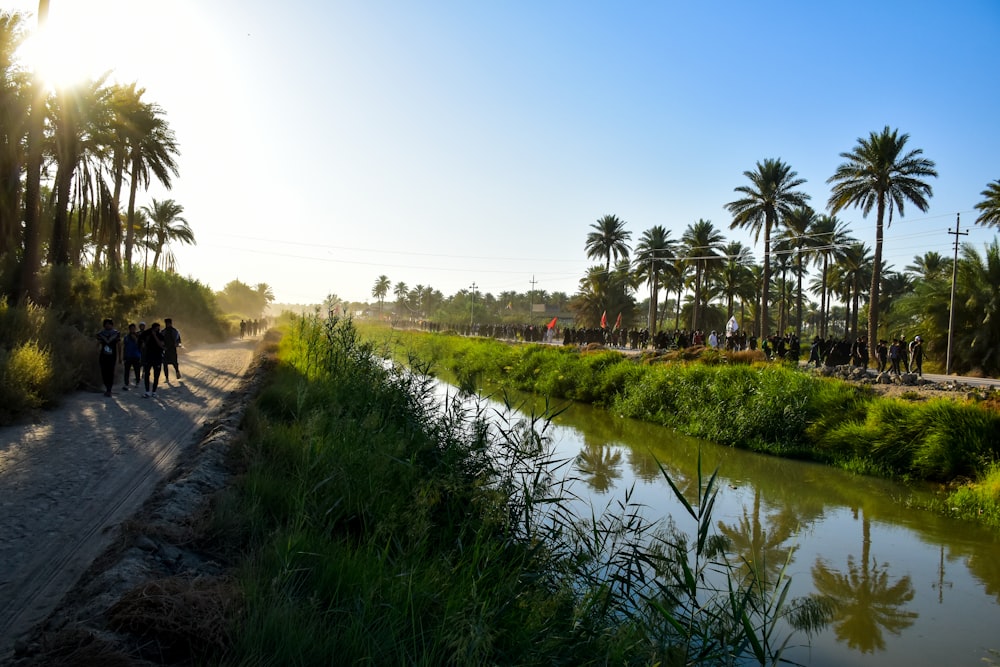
(85, 467)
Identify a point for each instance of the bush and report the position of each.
(26, 374)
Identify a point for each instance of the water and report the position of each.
(914, 587)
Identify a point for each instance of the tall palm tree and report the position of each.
(703, 250)
(877, 173)
(31, 257)
(166, 225)
(401, 290)
(830, 236)
(770, 196)
(857, 266)
(735, 277)
(81, 118)
(380, 289)
(609, 238)
(798, 232)
(152, 154)
(990, 206)
(783, 256)
(654, 256)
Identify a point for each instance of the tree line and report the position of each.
(72, 164)
(712, 279)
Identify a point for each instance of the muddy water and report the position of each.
(912, 587)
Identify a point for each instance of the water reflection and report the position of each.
(599, 465)
(764, 547)
(920, 588)
(865, 600)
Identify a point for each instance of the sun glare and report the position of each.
(85, 40)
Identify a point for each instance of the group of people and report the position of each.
(151, 351)
(252, 327)
(896, 357)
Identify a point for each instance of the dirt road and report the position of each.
(86, 466)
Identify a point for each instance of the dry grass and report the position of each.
(178, 618)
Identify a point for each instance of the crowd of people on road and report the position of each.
(151, 351)
(252, 327)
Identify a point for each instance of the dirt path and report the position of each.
(88, 465)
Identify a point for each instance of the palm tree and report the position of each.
(980, 280)
(856, 266)
(266, 294)
(608, 238)
(31, 257)
(735, 277)
(654, 256)
(81, 118)
(166, 225)
(603, 292)
(152, 152)
(702, 249)
(782, 252)
(380, 289)
(990, 206)
(930, 266)
(878, 174)
(799, 224)
(830, 236)
(770, 196)
(401, 290)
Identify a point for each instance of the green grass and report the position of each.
(379, 527)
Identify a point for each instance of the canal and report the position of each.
(911, 587)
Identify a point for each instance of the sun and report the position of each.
(83, 41)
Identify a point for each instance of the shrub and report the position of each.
(26, 374)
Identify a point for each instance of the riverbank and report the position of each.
(772, 408)
(367, 524)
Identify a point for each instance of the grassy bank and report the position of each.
(771, 408)
(380, 527)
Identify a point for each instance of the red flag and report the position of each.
(552, 323)
(618, 322)
(604, 320)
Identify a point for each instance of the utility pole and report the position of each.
(472, 306)
(951, 307)
(531, 298)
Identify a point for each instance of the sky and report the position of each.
(451, 144)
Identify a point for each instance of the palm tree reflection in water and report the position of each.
(864, 600)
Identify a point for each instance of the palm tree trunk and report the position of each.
(133, 186)
(824, 304)
(798, 310)
(766, 278)
(876, 280)
(697, 296)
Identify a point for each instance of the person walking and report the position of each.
(153, 358)
(107, 341)
(894, 356)
(171, 341)
(131, 355)
(917, 356)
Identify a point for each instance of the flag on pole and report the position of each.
(618, 322)
(604, 320)
(552, 323)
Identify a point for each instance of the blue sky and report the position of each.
(446, 143)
